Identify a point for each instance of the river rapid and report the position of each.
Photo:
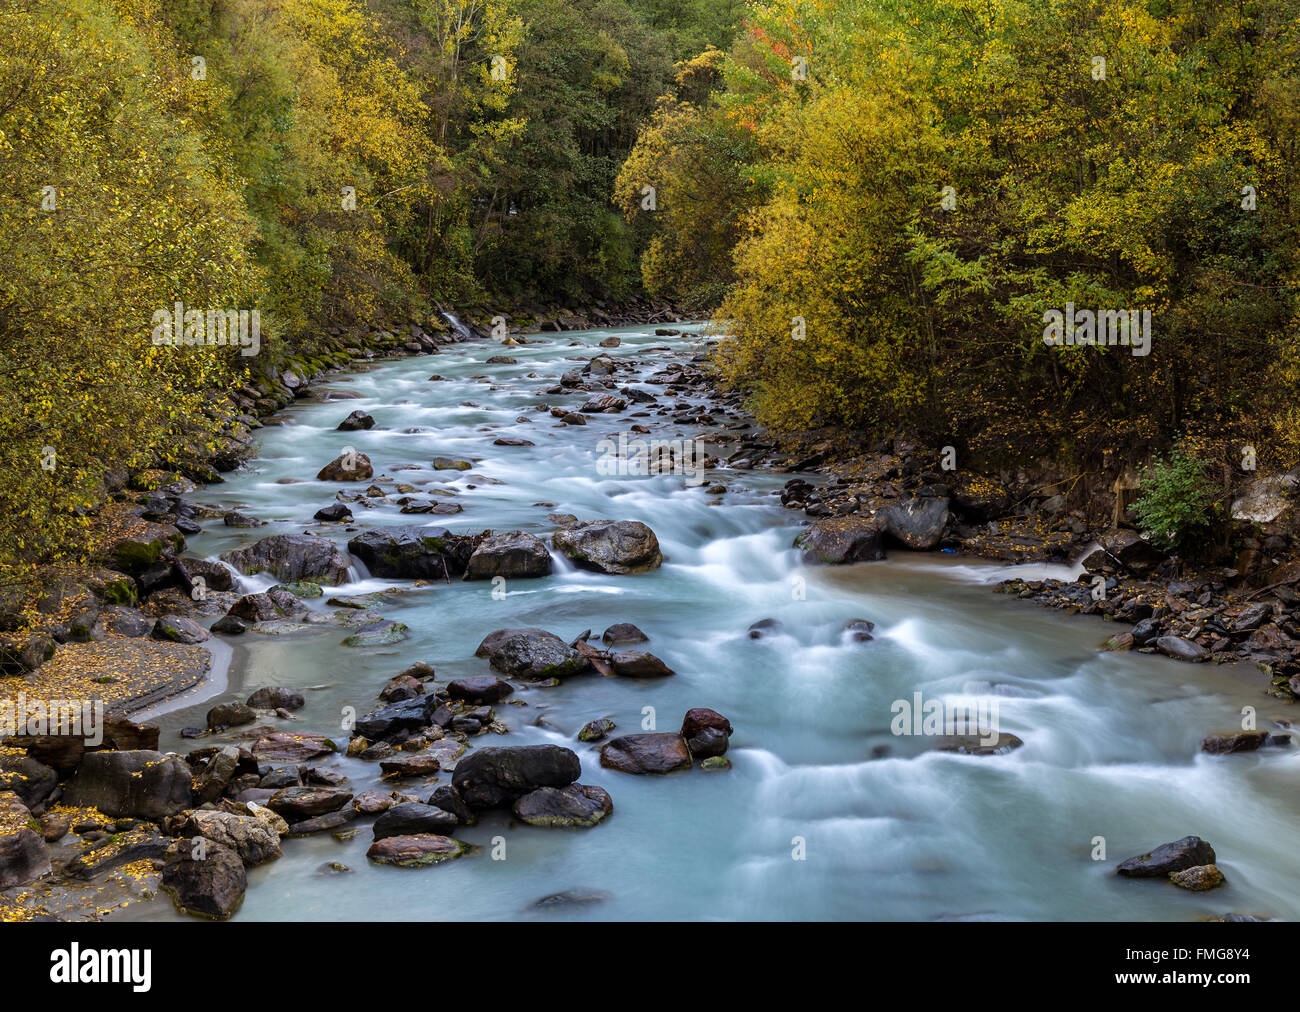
(826, 814)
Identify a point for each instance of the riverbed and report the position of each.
(825, 814)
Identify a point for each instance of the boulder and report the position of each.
(251, 838)
(404, 715)
(212, 885)
(623, 632)
(218, 772)
(412, 818)
(32, 781)
(421, 765)
(837, 540)
(492, 777)
(530, 653)
(413, 553)
(1122, 550)
(415, 851)
(1168, 858)
(514, 554)
(277, 697)
(293, 557)
(610, 546)
(347, 467)
(1236, 741)
(230, 715)
(285, 746)
(178, 629)
(333, 513)
(706, 732)
(917, 524)
(574, 805)
(1181, 649)
(376, 634)
(638, 664)
(298, 803)
(141, 783)
(1198, 879)
(480, 689)
(449, 800)
(355, 421)
(646, 753)
(23, 854)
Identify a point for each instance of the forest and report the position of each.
(879, 203)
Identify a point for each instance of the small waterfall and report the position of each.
(461, 330)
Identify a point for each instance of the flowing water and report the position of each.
(887, 827)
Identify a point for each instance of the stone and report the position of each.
(251, 838)
(377, 634)
(706, 732)
(513, 555)
(413, 553)
(638, 664)
(574, 805)
(230, 715)
(415, 851)
(409, 766)
(1198, 879)
(595, 730)
(917, 524)
(139, 783)
(1234, 741)
(23, 854)
(347, 467)
(212, 886)
(646, 753)
(480, 689)
(178, 629)
(284, 746)
(273, 697)
(298, 803)
(291, 558)
(530, 653)
(1181, 649)
(413, 818)
(1189, 852)
(355, 421)
(619, 547)
(492, 777)
(623, 632)
(333, 513)
(838, 540)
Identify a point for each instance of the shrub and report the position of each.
(1175, 501)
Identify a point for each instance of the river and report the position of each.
(890, 828)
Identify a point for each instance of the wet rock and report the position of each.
(229, 625)
(638, 664)
(980, 498)
(273, 697)
(413, 553)
(491, 777)
(355, 421)
(571, 806)
(623, 632)
(293, 557)
(1122, 550)
(859, 629)
(334, 513)
(413, 818)
(218, 772)
(450, 464)
(706, 732)
(1236, 741)
(140, 783)
(212, 886)
(716, 762)
(646, 753)
(1198, 879)
(283, 746)
(530, 653)
(372, 802)
(603, 404)
(449, 800)
(1181, 649)
(1189, 852)
(838, 540)
(347, 467)
(322, 823)
(401, 687)
(377, 634)
(23, 854)
(762, 627)
(409, 766)
(514, 554)
(405, 715)
(32, 781)
(621, 547)
(572, 897)
(178, 629)
(917, 524)
(480, 689)
(416, 851)
(230, 715)
(595, 730)
(1145, 631)
(251, 838)
(974, 744)
(297, 803)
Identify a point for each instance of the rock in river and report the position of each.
(706, 732)
(491, 777)
(480, 689)
(837, 540)
(412, 818)
(918, 523)
(210, 886)
(347, 467)
(1189, 852)
(415, 851)
(646, 753)
(293, 557)
(638, 664)
(297, 803)
(530, 653)
(413, 553)
(513, 554)
(610, 546)
(575, 805)
(141, 783)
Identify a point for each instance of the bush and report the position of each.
(1175, 501)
